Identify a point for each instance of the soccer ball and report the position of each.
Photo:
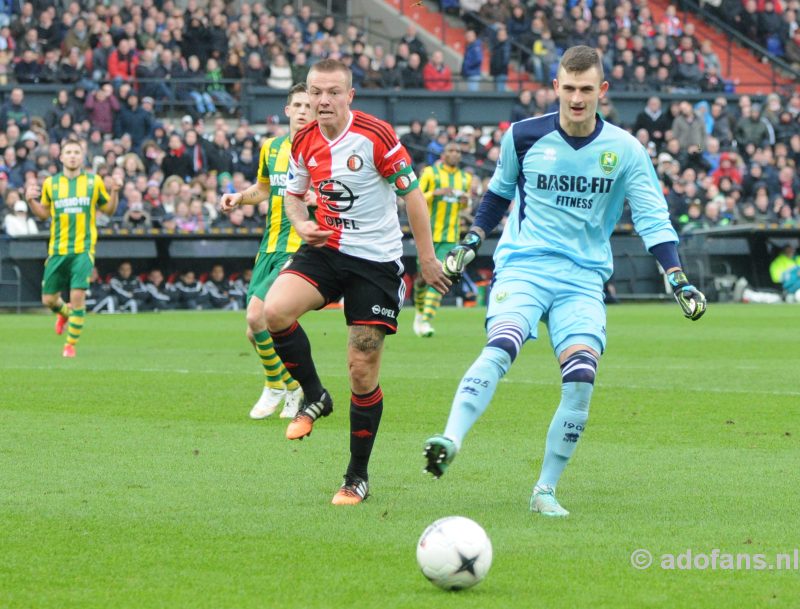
(454, 553)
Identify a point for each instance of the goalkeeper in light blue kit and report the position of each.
(569, 173)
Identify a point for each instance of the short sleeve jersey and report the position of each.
(357, 178)
(73, 206)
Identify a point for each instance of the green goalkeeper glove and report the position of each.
(461, 255)
(691, 300)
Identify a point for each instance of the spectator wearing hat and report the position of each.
(136, 217)
(19, 223)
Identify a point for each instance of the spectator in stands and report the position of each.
(772, 30)
(688, 129)
(473, 61)
(416, 142)
(19, 222)
(518, 24)
(560, 26)
(189, 88)
(218, 154)
(523, 107)
(391, 75)
(280, 73)
(156, 295)
(188, 292)
(639, 82)
(436, 74)
(14, 110)
(126, 288)
(136, 217)
(415, 45)
(177, 162)
(499, 58)
(28, 70)
(654, 120)
(216, 89)
(792, 49)
(412, 73)
(688, 73)
(752, 129)
(122, 62)
(608, 111)
(135, 120)
(102, 105)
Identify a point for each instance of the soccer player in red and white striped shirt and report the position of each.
(352, 249)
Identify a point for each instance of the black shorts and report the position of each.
(373, 291)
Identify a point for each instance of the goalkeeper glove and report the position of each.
(691, 300)
(461, 255)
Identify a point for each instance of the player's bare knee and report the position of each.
(49, 300)
(255, 323)
(276, 318)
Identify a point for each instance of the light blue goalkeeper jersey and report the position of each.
(570, 191)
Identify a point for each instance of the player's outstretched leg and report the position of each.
(294, 350)
(365, 418)
(577, 377)
(477, 387)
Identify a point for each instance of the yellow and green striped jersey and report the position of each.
(444, 210)
(73, 205)
(273, 167)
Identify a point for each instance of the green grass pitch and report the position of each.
(132, 476)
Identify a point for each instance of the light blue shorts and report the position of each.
(553, 289)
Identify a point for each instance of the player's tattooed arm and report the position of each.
(309, 231)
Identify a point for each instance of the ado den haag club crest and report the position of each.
(608, 161)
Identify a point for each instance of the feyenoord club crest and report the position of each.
(354, 162)
(608, 162)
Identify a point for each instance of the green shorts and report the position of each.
(441, 250)
(265, 271)
(69, 272)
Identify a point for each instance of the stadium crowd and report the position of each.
(126, 67)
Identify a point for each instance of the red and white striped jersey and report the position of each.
(357, 178)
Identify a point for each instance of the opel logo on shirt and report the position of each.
(336, 196)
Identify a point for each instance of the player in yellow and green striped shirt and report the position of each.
(280, 241)
(447, 190)
(71, 199)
